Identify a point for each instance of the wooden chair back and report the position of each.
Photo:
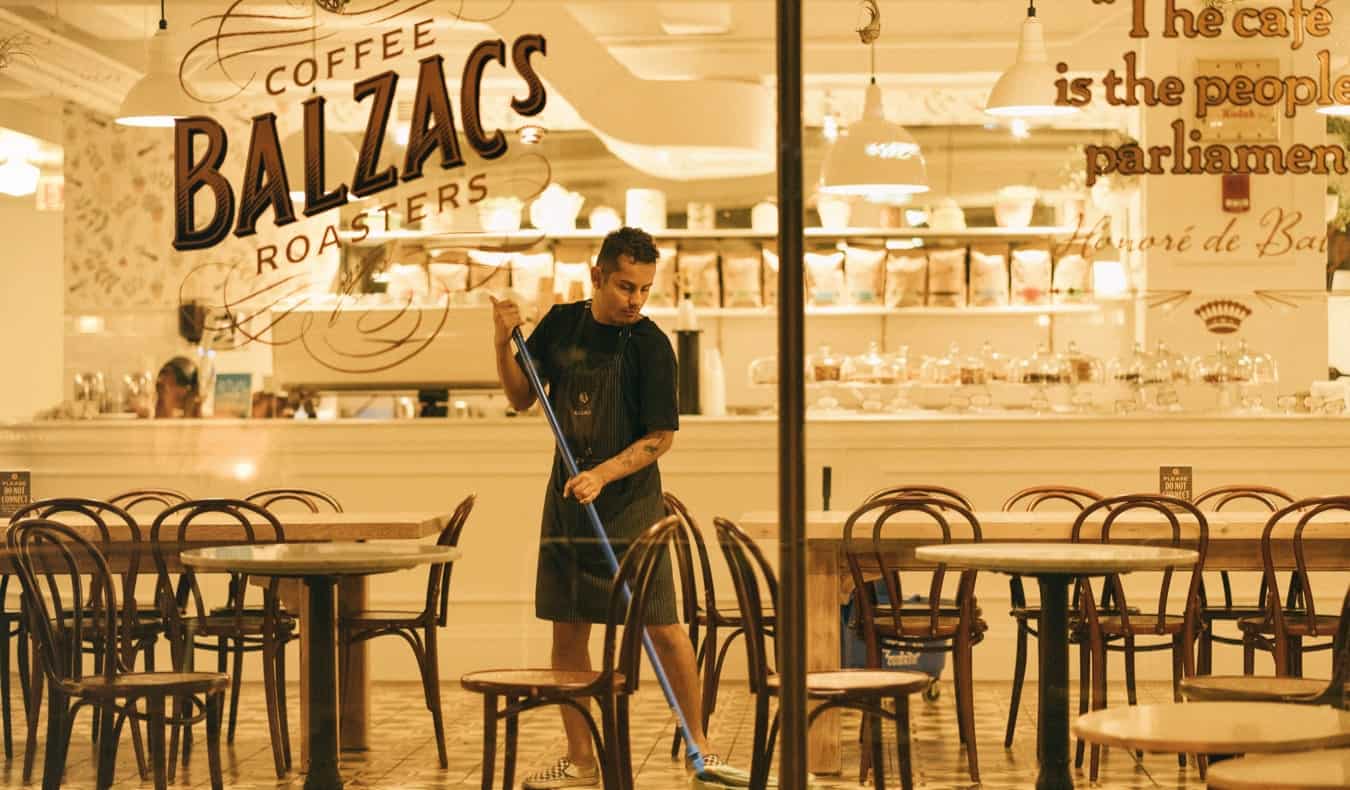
(1170, 511)
(159, 498)
(438, 578)
(70, 596)
(756, 594)
(1246, 496)
(628, 599)
(1034, 498)
(934, 515)
(696, 582)
(924, 490)
(1277, 614)
(313, 500)
(246, 522)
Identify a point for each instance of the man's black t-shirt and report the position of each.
(649, 380)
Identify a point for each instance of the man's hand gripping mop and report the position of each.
(705, 777)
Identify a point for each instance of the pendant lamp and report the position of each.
(1027, 88)
(873, 158)
(157, 99)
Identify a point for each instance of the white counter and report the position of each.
(719, 466)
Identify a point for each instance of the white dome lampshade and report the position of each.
(1027, 89)
(18, 177)
(157, 99)
(874, 159)
(339, 161)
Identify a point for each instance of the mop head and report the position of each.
(715, 778)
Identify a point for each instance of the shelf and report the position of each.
(965, 312)
(526, 238)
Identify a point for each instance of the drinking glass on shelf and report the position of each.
(1287, 403)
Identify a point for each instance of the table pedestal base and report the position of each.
(1053, 714)
(322, 661)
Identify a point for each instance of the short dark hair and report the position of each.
(184, 372)
(633, 242)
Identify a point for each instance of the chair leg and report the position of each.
(512, 738)
(1248, 655)
(54, 765)
(138, 746)
(235, 680)
(282, 714)
(760, 756)
(878, 755)
(966, 699)
(431, 680)
(107, 747)
(1178, 663)
(5, 707)
(490, 739)
(155, 732)
(1097, 649)
(273, 717)
(625, 745)
(1205, 660)
(214, 703)
(1084, 695)
(34, 716)
(905, 763)
(608, 756)
(1019, 675)
(1131, 689)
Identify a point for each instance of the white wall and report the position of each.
(31, 307)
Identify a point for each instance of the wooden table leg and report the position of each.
(355, 713)
(323, 773)
(822, 628)
(1053, 713)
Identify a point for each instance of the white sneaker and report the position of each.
(562, 774)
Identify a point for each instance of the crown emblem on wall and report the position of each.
(1223, 316)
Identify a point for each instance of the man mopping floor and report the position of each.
(612, 386)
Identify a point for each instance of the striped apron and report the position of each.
(574, 578)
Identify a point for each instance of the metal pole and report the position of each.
(791, 636)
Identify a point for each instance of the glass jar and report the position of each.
(1219, 368)
(1169, 368)
(1132, 369)
(824, 366)
(998, 367)
(1083, 368)
(955, 369)
(1256, 367)
(1043, 369)
(871, 367)
(764, 371)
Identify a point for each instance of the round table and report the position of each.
(1055, 566)
(320, 565)
(1298, 771)
(1218, 727)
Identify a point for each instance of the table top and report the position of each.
(1298, 771)
(1218, 727)
(1045, 525)
(1056, 558)
(299, 527)
(317, 559)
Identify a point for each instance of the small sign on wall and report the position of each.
(1175, 481)
(16, 491)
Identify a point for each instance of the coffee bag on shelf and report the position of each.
(988, 276)
(665, 292)
(1031, 276)
(825, 279)
(699, 277)
(770, 255)
(864, 273)
(742, 277)
(947, 278)
(1072, 279)
(906, 278)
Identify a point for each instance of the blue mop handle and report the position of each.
(527, 364)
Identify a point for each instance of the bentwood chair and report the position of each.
(1028, 617)
(1282, 629)
(138, 629)
(272, 500)
(610, 686)
(70, 594)
(1176, 630)
(922, 489)
(1248, 688)
(1233, 498)
(701, 612)
(188, 617)
(934, 627)
(418, 629)
(864, 690)
(159, 498)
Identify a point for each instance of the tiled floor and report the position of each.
(403, 755)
